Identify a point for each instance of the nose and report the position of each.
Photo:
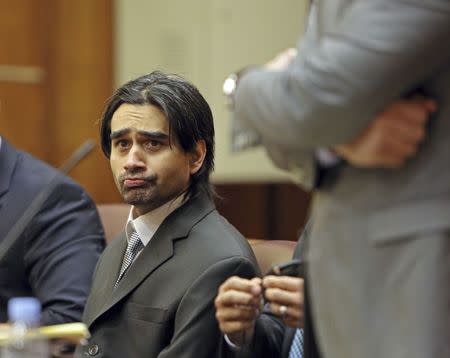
(134, 159)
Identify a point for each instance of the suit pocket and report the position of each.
(146, 313)
(406, 221)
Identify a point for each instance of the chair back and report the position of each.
(114, 218)
(271, 252)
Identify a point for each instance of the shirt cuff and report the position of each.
(233, 346)
(326, 158)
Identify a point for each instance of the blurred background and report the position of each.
(60, 60)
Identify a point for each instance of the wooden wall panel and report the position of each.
(291, 205)
(273, 211)
(80, 59)
(21, 32)
(23, 75)
(55, 76)
(246, 207)
(22, 117)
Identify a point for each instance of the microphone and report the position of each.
(42, 196)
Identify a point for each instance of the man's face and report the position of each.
(149, 169)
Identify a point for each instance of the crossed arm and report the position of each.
(334, 88)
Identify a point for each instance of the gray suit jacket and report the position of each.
(164, 305)
(380, 244)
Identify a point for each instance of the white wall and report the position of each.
(204, 41)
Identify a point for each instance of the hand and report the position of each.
(392, 138)
(238, 303)
(282, 60)
(288, 292)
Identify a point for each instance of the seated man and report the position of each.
(154, 288)
(55, 256)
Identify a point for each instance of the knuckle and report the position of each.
(249, 300)
(217, 302)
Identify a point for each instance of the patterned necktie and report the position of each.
(134, 246)
(297, 345)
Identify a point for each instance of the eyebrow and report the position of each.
(150, 135)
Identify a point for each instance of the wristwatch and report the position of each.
(229, 89)
(230, 85)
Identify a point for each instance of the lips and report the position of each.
(134, 182)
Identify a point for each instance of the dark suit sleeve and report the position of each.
(196, 331)
(63, 244)
(268, 338)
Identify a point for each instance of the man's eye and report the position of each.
(152, 144)
(122, 144)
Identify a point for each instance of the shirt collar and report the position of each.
(147, 224)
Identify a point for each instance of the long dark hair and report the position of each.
(189, 115)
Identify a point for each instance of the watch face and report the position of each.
(229, 86)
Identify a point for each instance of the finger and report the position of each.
(415, 114)
(241, 284)
(237, 298)
(288, 283)
(429, 103)
(395, 152)
(237, 314)
(416, 110)
(256, 281)
(235, 326)
(283, 297)
(387, 145)
(293, 313)
(404, 131)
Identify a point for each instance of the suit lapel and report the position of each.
(105, 278)
(159, 250)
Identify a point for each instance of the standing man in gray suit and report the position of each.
(379, 252)
(154, 287)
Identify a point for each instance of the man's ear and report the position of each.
(197, 156)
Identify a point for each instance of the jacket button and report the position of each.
(93, 350)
